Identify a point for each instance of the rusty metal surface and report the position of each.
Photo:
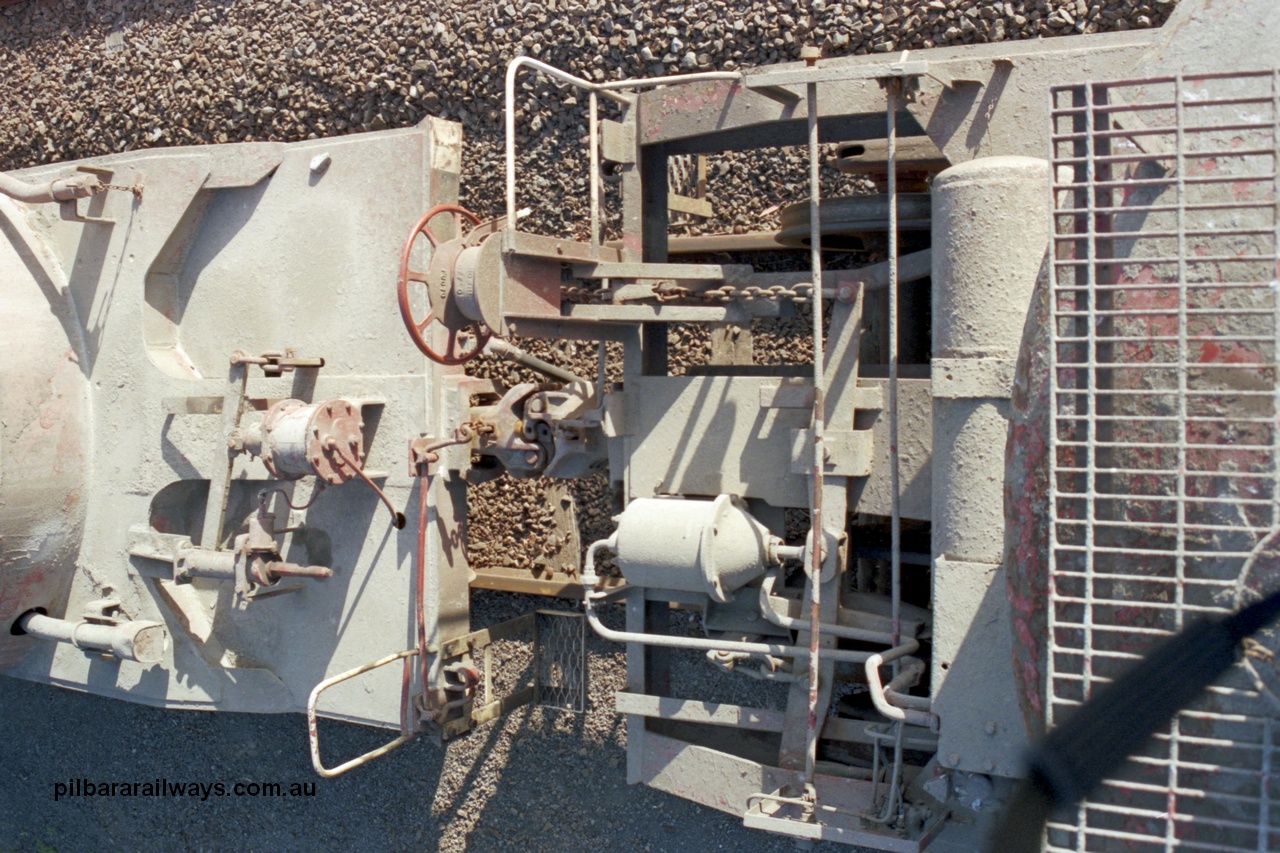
(436, 272)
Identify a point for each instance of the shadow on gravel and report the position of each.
(533, 783)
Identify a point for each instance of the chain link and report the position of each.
(583, 295)
(800, 294)
(101, 188)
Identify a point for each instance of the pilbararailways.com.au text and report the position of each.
(191, 790)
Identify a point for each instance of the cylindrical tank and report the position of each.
(990, 230)
(712, 547)
(990, 234)
(298, 439)
(44, 431)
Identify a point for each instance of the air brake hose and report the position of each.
(1096, 740)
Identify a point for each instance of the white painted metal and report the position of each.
(45, 436)
(231, 248)
(990, 238)
(712, 547)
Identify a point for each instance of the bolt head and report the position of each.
(990, 727)
(810, 53)
(953, 759)
(845, 293)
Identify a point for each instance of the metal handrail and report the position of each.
(313, 731)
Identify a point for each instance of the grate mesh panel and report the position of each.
(1164, 443)
(562, 660)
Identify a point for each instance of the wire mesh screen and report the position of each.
(682, 175)
(1164, 442)
(561, 679)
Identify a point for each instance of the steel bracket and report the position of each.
(419, 455)
(973, 378)
(69, 209)
(616, 145)
(848, 453)
(275, 363)
(479, 645)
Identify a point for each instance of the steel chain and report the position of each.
(101, 188)
(800, 293)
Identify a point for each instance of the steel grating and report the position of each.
(561, 644)
(1164, 442)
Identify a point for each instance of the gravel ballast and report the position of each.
(91, 77)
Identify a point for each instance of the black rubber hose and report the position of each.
(1117, 720)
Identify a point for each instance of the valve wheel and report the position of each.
(419, 327)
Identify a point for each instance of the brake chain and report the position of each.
(101, 188)
(800, 293)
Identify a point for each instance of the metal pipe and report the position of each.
(788, 552)
(876, 688)
(819, 453)
(886, 814)
(205, 563)
(510, 352)
(669, 80)
(313, 729)
(895, 516)
(593, 158)
(904, 680)
(790, 622)
(397, 517)
(139, 641)
(81, 185)
(604, 90)
(294, 570)
(430, 454)
(590, 598)
(425, 480)
(513, 68)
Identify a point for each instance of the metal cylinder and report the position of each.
(139, 641)
(712, 547)
(990, 231)
(298, 439)
(285, 440)
(990, 236)
(47, 192)
(204, 563)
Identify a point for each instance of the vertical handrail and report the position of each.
(604, 90)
